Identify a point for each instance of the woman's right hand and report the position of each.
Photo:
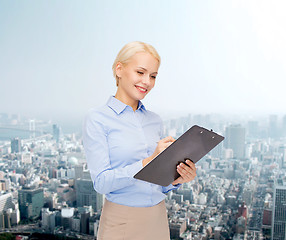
(161, 146)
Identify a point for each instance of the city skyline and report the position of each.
(232, 197)
(217, 57)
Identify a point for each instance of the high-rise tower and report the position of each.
(279, 212)
(235, 140)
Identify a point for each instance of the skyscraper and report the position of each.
(31, 201)
(16, 145)
(273, 130)
(56, 132)
(235, 140)
(284, 126)
(279, 212)
(86, 195)
(6, 201)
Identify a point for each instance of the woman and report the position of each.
(119, 139)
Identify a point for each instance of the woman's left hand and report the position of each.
(187, 172)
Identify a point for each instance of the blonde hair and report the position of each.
(129, 50)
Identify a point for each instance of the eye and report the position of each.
(153, 77)
(140, 73)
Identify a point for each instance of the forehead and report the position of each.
(145, 60)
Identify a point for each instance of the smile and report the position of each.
(141, 89)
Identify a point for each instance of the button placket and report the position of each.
(140, 128)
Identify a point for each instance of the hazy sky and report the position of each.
(217, 56)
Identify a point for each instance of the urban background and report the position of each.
(239, 191)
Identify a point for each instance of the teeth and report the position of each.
(143, 89)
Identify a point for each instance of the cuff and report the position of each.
(171, 187)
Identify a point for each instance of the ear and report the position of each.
(118, 69)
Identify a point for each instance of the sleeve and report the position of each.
(170, 187)
(105, 178)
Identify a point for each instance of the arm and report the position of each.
(105, 178)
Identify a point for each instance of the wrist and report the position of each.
(147, 160)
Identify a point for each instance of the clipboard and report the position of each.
(193, 144)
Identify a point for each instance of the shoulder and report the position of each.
(99, 113)
(96, 112)
(98, 116)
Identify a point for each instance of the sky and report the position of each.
(222, 56)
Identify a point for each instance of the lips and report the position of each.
(141, 89)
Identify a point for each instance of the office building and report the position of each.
(284, 126)
(273, 130)
(279, 212)
(31, 201)
(235, 140)
(9, 212)
(16, 145)
(56, 132)
(6, 202)
(87, 196)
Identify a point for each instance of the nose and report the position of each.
(146, 80)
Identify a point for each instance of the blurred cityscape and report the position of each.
(239, 191)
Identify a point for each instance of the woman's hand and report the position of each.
(187, 172)
(161, 146)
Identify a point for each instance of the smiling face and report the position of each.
(136, 78)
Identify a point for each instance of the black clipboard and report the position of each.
(193, 144)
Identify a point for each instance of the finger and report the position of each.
(182, 172)
(186, 171)
(185, 178)
(186, 167)
(168, 144)
(190, 163)
(169, 139)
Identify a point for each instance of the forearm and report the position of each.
(109, 180)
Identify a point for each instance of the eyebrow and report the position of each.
(146, 70)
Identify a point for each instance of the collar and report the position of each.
(118, 106)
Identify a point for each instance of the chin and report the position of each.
(141, 98)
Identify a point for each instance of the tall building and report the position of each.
(282, 151)
(32, 128)
(235, 140)
(16, 145)
(84, 222)
(78, 171)
(284, 126)
(56, 132)
(252, 129)
(6, 201)
(87, 196)
(9, 212)
(279, 212)
(31, 201)
(273, 130)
